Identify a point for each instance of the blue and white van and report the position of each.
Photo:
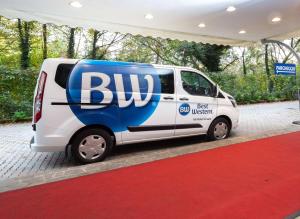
(92, 106)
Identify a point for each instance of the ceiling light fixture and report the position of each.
(276, 19)
(202, 25)
(231, 9)
(242, 32)
(76, 4)
(149, 16)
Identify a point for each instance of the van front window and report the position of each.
(195, 84)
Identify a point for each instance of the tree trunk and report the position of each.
(24, 42)
(71, 44)
(184, 58)
(157, 54)
(268, 68)
(244, 62)
(156, 59)
(94, 45)
(45, 50)
(267, 60)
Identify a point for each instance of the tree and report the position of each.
(244, 62)
(93, 51)
(24, 29)
(71, 43)
(165, 51)
(162, 51)
(229, 59)
(267, 60)
(281, 54)
(207, 55)
(294, 45)
(133, 50)
(102, 42)
(45, 51)
(268, 68)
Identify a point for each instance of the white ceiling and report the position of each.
(175, 19)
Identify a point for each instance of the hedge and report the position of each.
(16, 87)
(257, 88)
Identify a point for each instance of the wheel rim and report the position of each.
(92, 147)
(221, 130)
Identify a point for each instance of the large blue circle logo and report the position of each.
(184, 109)
(112, 115)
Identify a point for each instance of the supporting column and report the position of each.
(265, 41)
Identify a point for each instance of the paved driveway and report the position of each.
(16, 159)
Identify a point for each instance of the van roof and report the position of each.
(134, 63)
(90, 61)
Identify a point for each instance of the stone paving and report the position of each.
(19, 167)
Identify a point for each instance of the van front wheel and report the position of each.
(91, 145)
(219, 129)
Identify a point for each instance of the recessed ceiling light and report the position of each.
(76, 4)
(276, 19)
(149, 16)
(242, 32)
(202, 25)
(231, 9)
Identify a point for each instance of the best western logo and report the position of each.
(202, 109)
(87, 89)
(184, 109)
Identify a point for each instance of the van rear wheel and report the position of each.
(219, 129)
(91, 145)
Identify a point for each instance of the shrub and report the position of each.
(16, 93)
(256, 88)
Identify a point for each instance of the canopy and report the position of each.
(206, 21)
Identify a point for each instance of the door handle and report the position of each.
(184, 99)
(168, 98)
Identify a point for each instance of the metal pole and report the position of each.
(264, 41)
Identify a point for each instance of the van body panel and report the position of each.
(225, 109)
(199, 109)
(137, 102)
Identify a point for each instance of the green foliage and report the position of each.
(16, 93)
(254, 88)
(208, 55)
(19, 115)
(201, 56)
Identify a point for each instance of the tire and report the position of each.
(91, 145)
(224, 129)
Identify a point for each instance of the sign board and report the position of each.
(285, 69)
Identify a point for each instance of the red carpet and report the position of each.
(257, 179)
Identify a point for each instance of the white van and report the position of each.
(94, 105)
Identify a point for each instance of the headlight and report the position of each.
(232, 100)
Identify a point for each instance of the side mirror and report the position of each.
(215, 92)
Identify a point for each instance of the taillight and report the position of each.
(38, 100)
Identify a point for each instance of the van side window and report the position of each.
(166, 77)
(62, 74)
(196, 84)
